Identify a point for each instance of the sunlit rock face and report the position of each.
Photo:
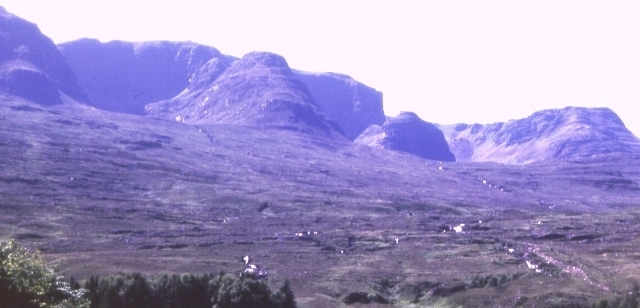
(31, 66)
(410, 134)
(257, 90)
(124, 76)
(569, 133)
(351, 104)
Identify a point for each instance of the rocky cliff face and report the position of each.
(408, 133)
(31, 66)
(353, 105)
(125, 77)
(258, 89)
(568, 133)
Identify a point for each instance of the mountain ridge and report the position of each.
(349, 103)
(567, 133)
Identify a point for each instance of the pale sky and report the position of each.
(448, 61)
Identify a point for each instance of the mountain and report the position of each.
(31, 66)
(124, 77)
(98, 193)
(353, 105)
(408, 133)
(568, 133)
(257, 90)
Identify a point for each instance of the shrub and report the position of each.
(26, 281)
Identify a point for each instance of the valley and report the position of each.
(100, 193)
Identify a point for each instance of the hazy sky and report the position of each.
(448, 61)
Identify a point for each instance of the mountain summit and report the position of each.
(568, 133)
(31, 66)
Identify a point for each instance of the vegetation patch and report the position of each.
(26, 281)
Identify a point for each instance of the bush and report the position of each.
(26, 281)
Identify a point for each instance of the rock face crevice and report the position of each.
(31, 66)
(410, 134)
(568, 133)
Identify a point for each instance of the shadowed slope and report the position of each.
(408, 133)
(30, 64)
(353, 105)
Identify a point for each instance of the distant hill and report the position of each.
(410, 134)
(31, 66)
(569, 133)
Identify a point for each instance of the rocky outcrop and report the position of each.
(559, 134)
(124, 77)
(351, 104)
(31, 66)
(408, 133)
(257, 90)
